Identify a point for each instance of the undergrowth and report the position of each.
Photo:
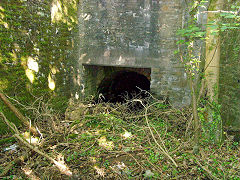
(107, 141)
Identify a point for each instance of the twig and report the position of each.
(164, 147)
(189, 124)
(10, 124)
(209, 174)
(160, 147)
(133, 158)
(183, 145)
(158, 169)
(6, 140)
(220, 11)
(12, 163)
(139, 116)
(59, 165)
(23, 119)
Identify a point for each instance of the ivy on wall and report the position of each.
(230, 79)
(37, 41)
(230, 68)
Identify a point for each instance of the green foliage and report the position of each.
(72, 157)
(26, 31)
(188, 36)
(210, 127)
(59, 103)
(106, 164)
(227, 25)
(153, 156)
(161, 106)
(4, 129)
(191, 31)
(230, 68)
(7, 140)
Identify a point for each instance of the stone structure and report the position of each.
(133, 35)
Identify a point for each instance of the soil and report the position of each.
(107, 141)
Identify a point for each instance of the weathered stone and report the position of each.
(137, 36)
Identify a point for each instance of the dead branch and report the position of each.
(17, 161)
(160, 147)
(20, 116)
(134, 159)
(209, 174)
(10, 124)
(63, 168)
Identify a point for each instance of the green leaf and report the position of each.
(180, 42)
(176, 51)
(223, 28)
(200, 34)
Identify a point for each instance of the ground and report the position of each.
(113, 141)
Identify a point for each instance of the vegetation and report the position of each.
(203, 71)
(107, 141)
(44, 135)
(35, 51)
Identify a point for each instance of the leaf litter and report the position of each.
(109, 141)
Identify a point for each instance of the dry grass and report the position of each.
(112, 141)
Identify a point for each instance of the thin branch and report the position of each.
(20, 116)
(209, 174)
(63, 168)
(10, 124)
(160, 147)
(134, 159)
(13, 163)
(215, 50)
(220, 11)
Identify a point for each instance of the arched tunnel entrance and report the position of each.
(123, 85)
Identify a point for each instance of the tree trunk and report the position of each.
(212, 66)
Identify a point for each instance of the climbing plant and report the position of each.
(230, 68)
(37, 41)
(219, 22)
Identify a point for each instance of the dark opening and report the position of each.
(122, 86)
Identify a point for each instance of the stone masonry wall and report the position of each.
(135, 34)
